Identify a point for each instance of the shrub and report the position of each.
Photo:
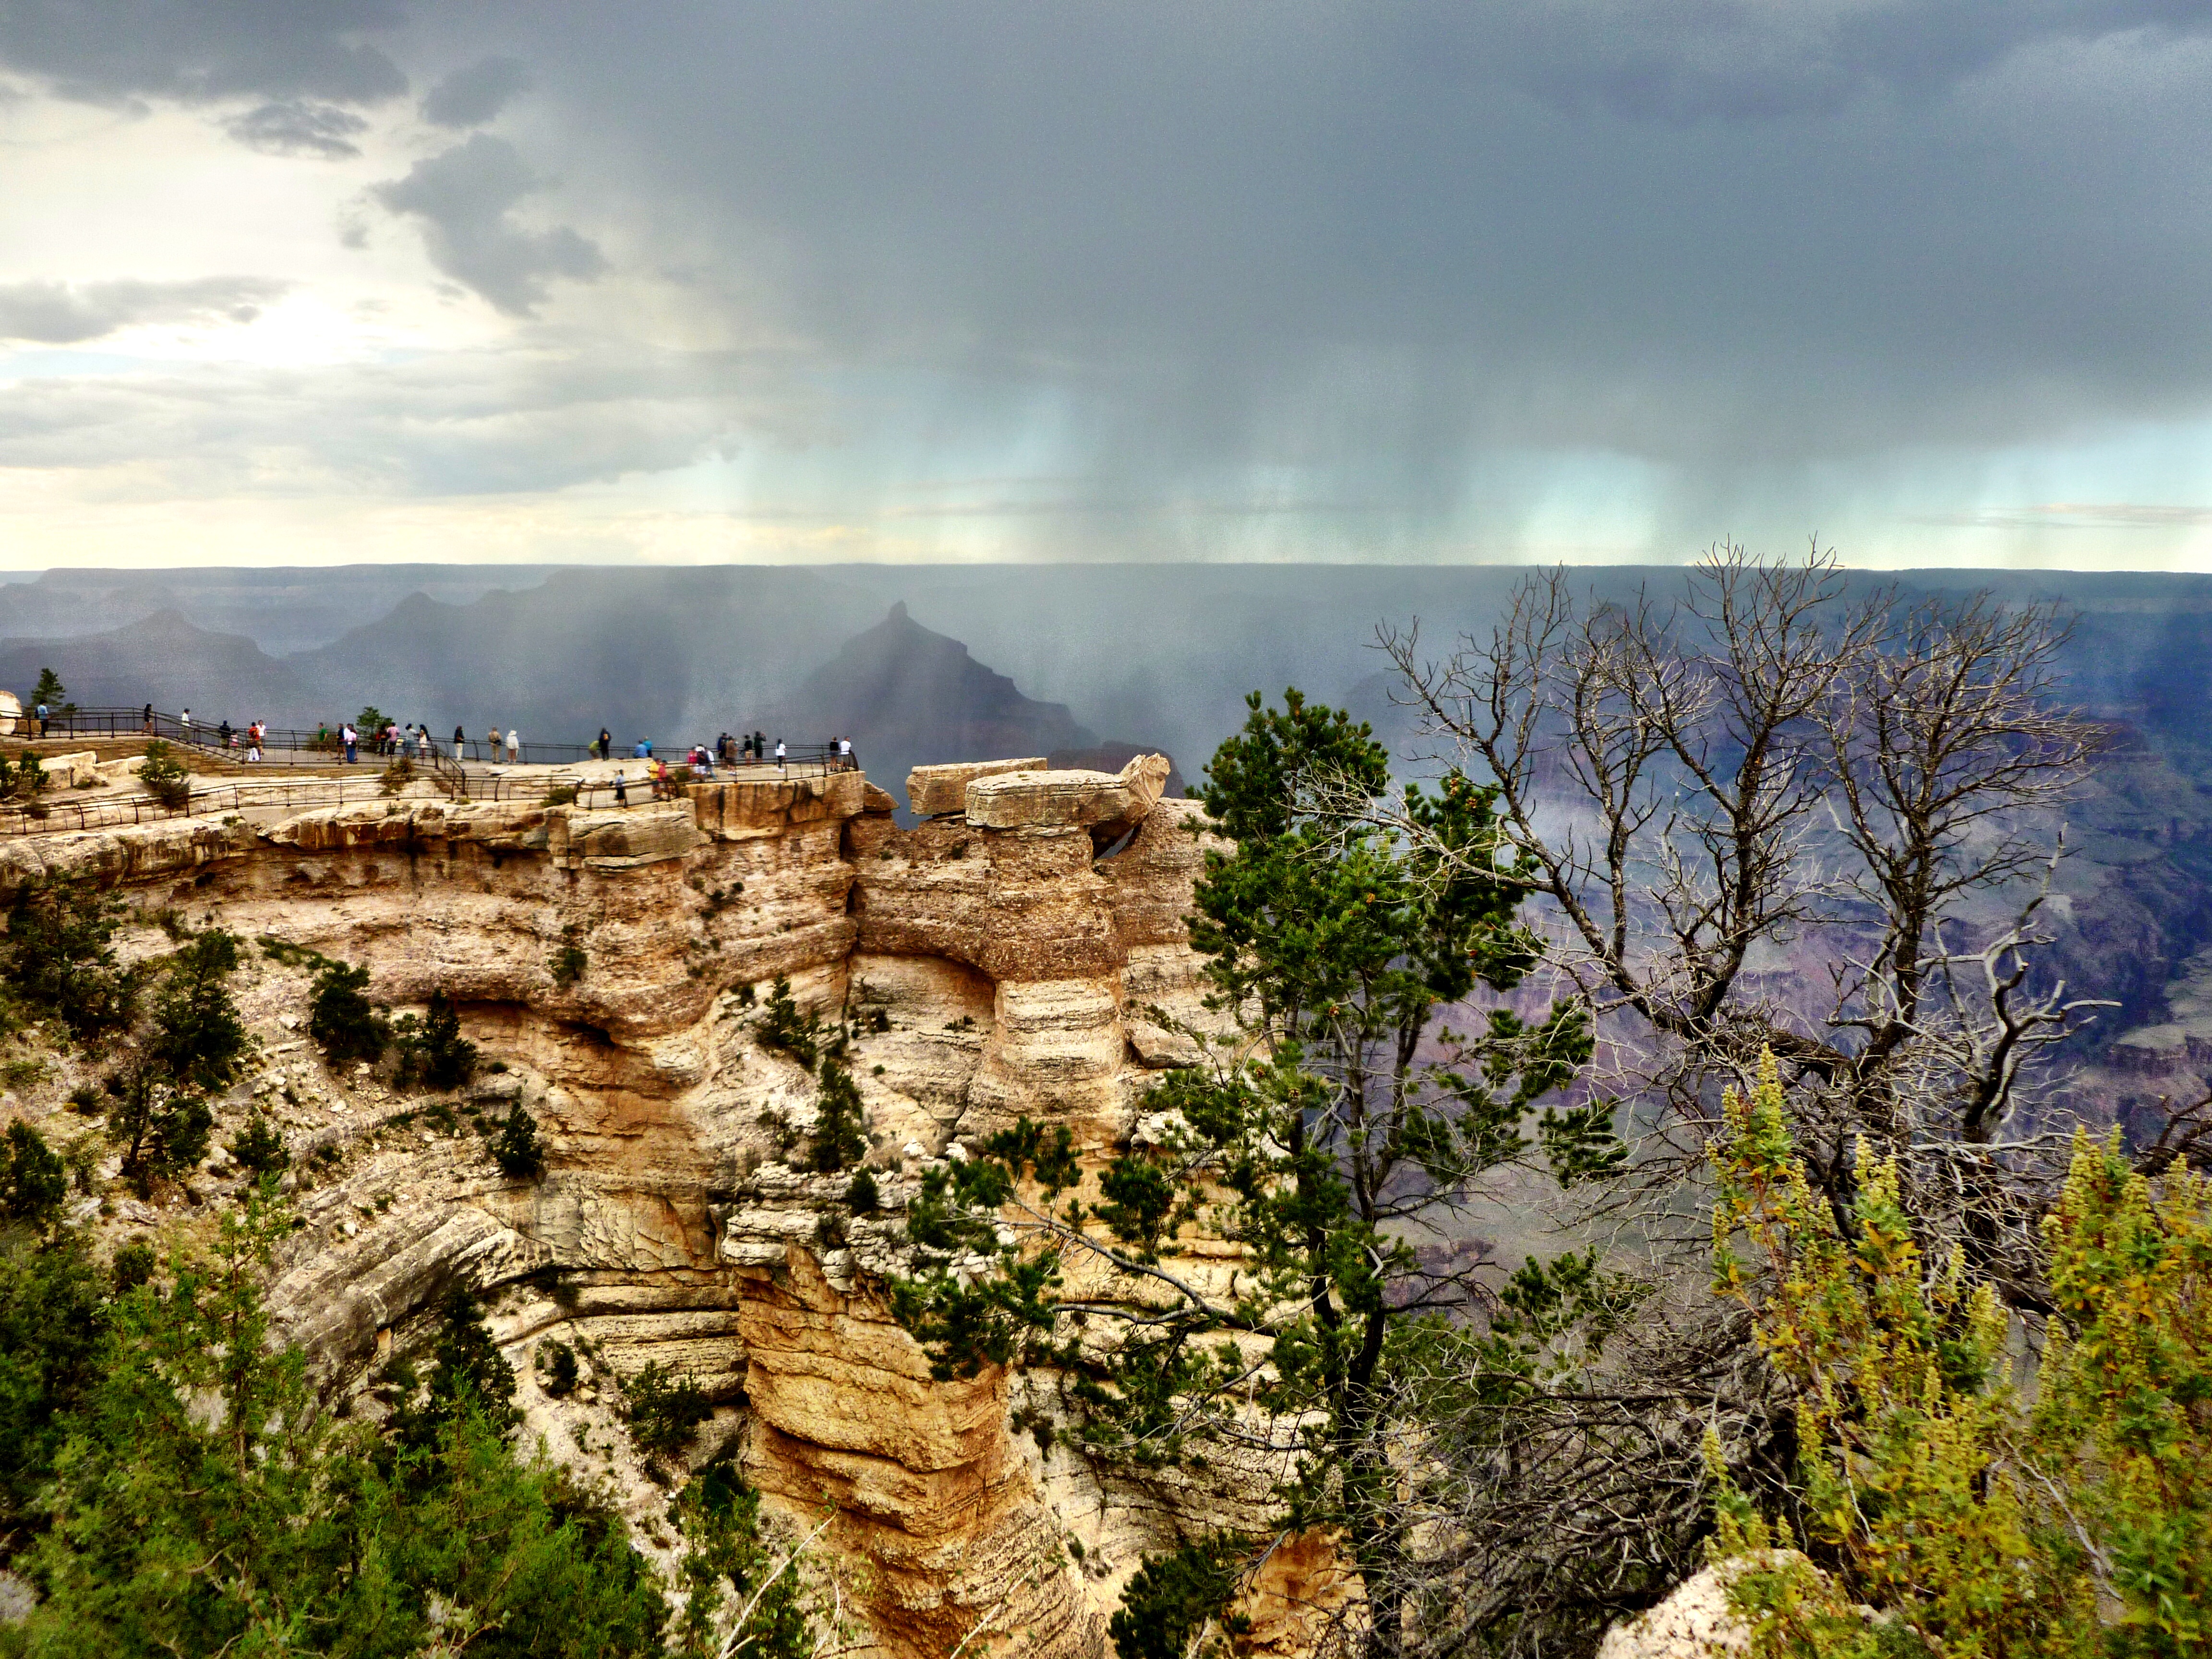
(58, 958)
(165, 777)
(1171, 1599)
(570, 961)
(33, 1178)
(52, 1323)
(260, 1146)
(665, 1411)
(395, 776)
(782, 1026)
(558, 1369)
(861, 1195)
(133, 1266)
(517, 1148)
(840, 1136)
(24, 781)
(1969, 1522)
(162, 1129)
(562, 794)
(340, 1019)
(435, 1052)
(198, 1036)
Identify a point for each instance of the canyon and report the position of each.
(1021, 952)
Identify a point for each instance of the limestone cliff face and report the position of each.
(996, 966)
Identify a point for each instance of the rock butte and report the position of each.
(1003, 959)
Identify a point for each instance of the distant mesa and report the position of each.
(909, 697)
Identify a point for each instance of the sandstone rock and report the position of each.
(1695, 1622)
(1053, 800)
(938, 791)
(68, 771)
(11, 714)
(991, 971)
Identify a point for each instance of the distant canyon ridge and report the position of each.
(1090, 664)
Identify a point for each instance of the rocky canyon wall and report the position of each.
(1011, 956)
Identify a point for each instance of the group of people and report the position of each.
(412, 740)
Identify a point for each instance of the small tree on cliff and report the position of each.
(1342, 1116)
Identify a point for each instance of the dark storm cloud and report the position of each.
(59, 313)
(298, 126)
(1287, 233)
(472, 96)
(465, 198)
(204, 51)
(1284, 250)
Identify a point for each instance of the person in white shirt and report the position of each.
(513, 746)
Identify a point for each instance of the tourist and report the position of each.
(184, 720)
(513, 746)
(621, 789)
(606, 743)
(147, 717)
(782, 754)
(222, 735)
(351, 739)
(844, 754)
(460, 741)
(253, 743)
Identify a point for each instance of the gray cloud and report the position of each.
(58, 314)
(464, 199)
(204, 51)
(472, 96)
(1292, 251)
(298, 126)
(1370, 243)
(458, 424)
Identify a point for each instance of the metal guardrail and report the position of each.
(294, 746)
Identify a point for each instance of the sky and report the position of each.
(1592, 280)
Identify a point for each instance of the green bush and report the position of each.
(782, 1026)
(340, 1018)
(517, 1148)
(665, 1411)
(162, 1128)
(34, 1181)
(569, 963)
(1970, 1522)
(558, 1369)
(165, 777)
(181, 1439)
(861, 1195)
(25, 781)
(729, 1563)
(1172, 1598)
(53, 1315)
(840, 1138)
(198, 1038)
(58, 958)
(260, 1146)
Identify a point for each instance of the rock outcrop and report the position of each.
(1027, 957)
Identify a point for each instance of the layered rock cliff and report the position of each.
(1011, 955)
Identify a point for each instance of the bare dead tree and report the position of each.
(1764, 813)
(1766, 784)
